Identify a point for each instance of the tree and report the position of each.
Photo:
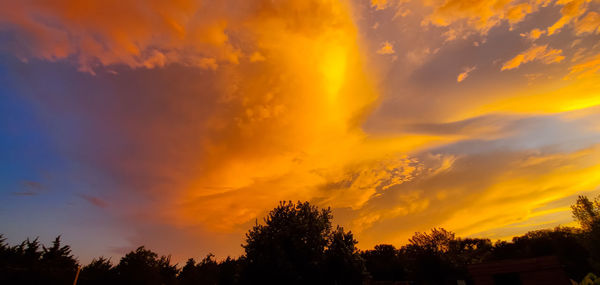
(32, 263)
(229, 271)
(58, 264)
(99, 271)
(20, 264)
(384, 263)
(205, 272)
(464, 251)
(428, 258)
(586, 212)
(143, 266)
(343, 263)
(437, 241)
(295, 244)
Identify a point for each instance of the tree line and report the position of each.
(297, 244)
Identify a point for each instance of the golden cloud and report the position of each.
(463, 75)
(480, 15)
(590, 23)
(103, 33)
(570, 11)
(535, 53)
(386, 48)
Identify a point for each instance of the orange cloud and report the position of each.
(102, 33)
(463, 75)
(590, 23)
(535, 53)
(571, 10)
(386, 48)
(480, 15)
(585, 69)
(379, 4)
(534, 34)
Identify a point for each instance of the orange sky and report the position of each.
(477, 116)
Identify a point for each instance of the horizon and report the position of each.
(181, 261)
(178, 125)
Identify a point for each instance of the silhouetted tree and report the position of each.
(99, 271)
(384, 263)
(428, 259)
(229, 271)
(32, 263)
(586, 212)
(205, 272)
(343, 263)
(143, 266)
(295, 244)
(464, 251)
(58, 264)
(437, 241)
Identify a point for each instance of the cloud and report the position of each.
(589, 24)
(256, 57)
(571, 10)
(98, 33)
(210, 149)
(512, 183)
(379, 4)
(479, 15)
(463, 75)
(535, 53)
(585, 69)
(33, 185)
(31, 188)
(386, 48)
(533, 34)
(95, 201)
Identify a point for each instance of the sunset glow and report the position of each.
(180, 124)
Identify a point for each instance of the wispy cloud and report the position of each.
(535, 53)
(463, 75)
(30, 188)
(94, 201)
(386, 48)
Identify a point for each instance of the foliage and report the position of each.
(99, 271)
(586, 212)
(343, 263)
(297, 245)
(143, 266)
(32, 263)
(384, 262)
(205, 272)
(590, 279)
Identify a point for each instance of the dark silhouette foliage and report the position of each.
(587, 212)
(143, 266)
(343, 263)
(297, 245)
(384, 263)
(205, 272)
(99, 271)
(32, 263)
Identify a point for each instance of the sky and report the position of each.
(179, 124)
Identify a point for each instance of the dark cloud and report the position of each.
(95, 201)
